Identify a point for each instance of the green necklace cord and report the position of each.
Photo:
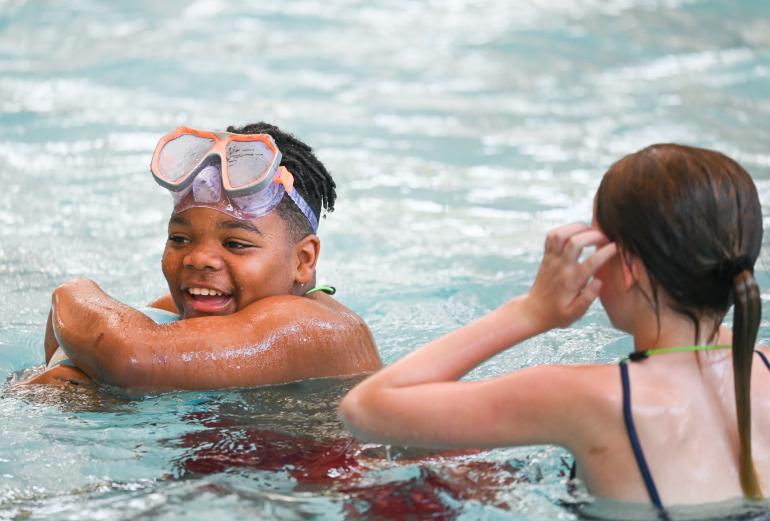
(638, 356)
(329, 290)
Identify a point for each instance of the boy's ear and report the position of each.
(306, 254)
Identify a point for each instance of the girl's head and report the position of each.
(692, 216)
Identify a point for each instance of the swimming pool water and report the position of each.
(458, 131)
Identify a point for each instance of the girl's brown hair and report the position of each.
(693, 217)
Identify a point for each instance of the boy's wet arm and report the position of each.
(50, 343)
(86, 323)
(275, 340)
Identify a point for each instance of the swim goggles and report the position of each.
(238, 174)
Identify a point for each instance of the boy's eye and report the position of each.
(178, 239)
(237, 245)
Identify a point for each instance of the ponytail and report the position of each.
(748, 309)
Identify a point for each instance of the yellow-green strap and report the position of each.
(329, 290)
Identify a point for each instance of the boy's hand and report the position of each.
(60, 375)
(564, 288)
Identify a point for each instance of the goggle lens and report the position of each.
(252, 178)
(181, 155)
(248, 163)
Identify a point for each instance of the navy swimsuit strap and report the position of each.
(764, 358)
(634, 438)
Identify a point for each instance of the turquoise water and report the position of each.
(459, 132)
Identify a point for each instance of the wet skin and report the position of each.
(241, 285)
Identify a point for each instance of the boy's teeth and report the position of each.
(204, 292)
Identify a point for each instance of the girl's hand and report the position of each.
(564, 287)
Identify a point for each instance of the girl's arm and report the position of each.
(417, 400)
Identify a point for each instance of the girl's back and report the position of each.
(683, 408)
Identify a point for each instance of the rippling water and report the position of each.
(459, 132)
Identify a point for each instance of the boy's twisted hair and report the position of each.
(311, 178)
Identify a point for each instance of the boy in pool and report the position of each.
(240, 261)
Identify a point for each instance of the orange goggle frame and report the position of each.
(175, 164)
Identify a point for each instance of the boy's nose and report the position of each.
(203, 258)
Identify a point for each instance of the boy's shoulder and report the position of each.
(327, 336)
(319, 309)
(327, 333)
(318, 305)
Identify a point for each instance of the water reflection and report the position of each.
(294, 431)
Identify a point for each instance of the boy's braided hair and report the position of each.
(311, 178)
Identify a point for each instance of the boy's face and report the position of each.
(216, 265)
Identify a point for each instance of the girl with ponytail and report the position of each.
(685, 417)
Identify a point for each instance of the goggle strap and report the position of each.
(304, 208)
(286, 178)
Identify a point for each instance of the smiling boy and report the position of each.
(240, 262)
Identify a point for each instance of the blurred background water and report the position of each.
(458, 131)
